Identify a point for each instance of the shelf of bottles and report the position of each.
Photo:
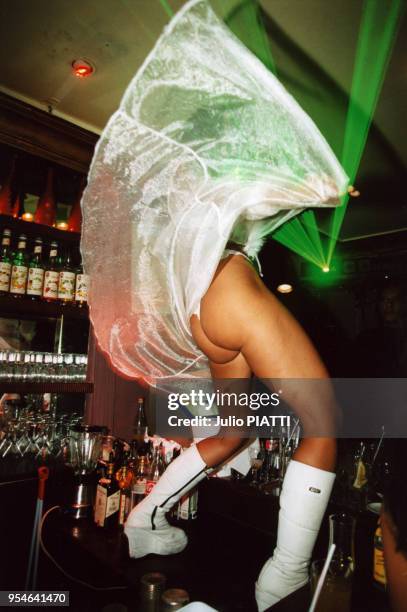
(41, 273)
(125, 472)
(40, 223)
(43, 310)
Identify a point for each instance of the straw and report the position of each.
(378, 446)
(322, 577)
(292, 432)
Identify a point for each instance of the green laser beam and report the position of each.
(309, 221)
(246, 23)
(377, 35)
(293, 236)
(375, 43)
(167, 8)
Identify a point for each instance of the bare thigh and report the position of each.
(239, 314)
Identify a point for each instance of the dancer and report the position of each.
(206, 156)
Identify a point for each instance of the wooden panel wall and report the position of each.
(32, 130)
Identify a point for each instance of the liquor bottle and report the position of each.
(124, 478)
(19, 270)
(5, 262)
(156, 470)
(51, 276)
(81, 287)
(107, 498)
(379, 570)
(187, 507)
(360, 480)
(139, 486)
(17, 208)
(75, 218)
(36, 271)
(5, 191)
(269, 469)
(66, 283)
(140, 432)
(45, 212)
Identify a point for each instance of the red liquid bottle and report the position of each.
(5, 191)
(75, 218)
(46, 212)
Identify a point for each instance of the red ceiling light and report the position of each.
(82, 68)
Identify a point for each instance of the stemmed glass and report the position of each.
(256, 461)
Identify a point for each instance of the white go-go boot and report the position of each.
(303, 501)
(146, 528)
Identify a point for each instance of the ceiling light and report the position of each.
(325, 268)
(82, 68)
(285, 288)
(354, 193)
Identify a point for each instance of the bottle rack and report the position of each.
(24, 307)
(32, 230)
(46, 387)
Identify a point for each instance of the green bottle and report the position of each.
(51, 278)
(36, 270)
(19, 270)
(5, 262)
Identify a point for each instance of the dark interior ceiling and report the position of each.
(313, 43)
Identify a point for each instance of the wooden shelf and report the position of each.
(32, 230)
(11, 306)
(47, 387)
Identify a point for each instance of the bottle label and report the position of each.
(5, 273)
(187, 507)
(5, 242)
(150, 484)
(140, 487)
(81, 289)
(35, 281)
(113, 504)
(21, 245)
(379, 570)
(53, 253)
(360, 479)
(51, 284)
(18, 279)
(100, 505)
(37, 249)
(124, 507)
(66, 285)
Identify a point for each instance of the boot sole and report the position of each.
(144, 542)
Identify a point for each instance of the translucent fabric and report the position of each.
(206, 146)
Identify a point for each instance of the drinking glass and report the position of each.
(336, 591)
(255, 463)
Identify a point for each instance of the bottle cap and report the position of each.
(174, 599)
(151, 586)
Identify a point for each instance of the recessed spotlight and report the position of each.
(325, 269)
(354, 193)
(285, 288)
(82, 68)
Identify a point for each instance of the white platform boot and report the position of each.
(303, 501)
(146, 528)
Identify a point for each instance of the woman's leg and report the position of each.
(215, 451)
(239, 313)
(146, 528)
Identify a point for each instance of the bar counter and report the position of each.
(228, 543)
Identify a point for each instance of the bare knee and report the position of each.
(318, 452)
(215, 451)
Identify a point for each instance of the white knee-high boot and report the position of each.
(146, 527)
(303, 501)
